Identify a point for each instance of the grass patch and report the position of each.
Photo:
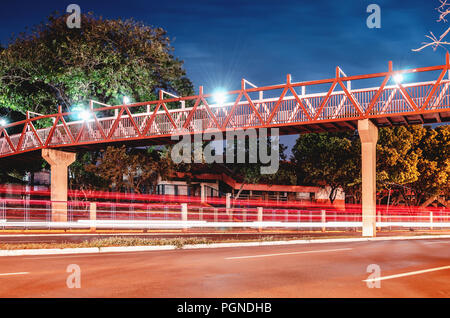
(178, 242)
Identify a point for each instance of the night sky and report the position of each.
(262, 41)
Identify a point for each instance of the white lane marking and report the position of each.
(407, 274)
(291, 253)
(11, 274)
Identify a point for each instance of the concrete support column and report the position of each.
(59, 162)
(368, 133)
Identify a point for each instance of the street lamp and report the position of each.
(84, 115)
(220, 97)
(3, 122)
(398, 78)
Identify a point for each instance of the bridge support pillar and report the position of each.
(368, 133)
(59, 162)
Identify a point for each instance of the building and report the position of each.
(206, 184)
(203, 183)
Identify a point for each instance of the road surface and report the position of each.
(408, 268)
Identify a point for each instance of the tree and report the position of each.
(413, 160)
(251, 172)
(82, 179)
(397, 158)
(433, 165)
(103, 60)
(434, 41)
(327, 159)
(132, 170)
(286, 172)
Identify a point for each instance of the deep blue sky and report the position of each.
(263, 40)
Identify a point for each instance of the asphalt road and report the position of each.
(408, 268)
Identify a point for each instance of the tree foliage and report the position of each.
(433, 164)
(251, 172)
(83, 180)
(103, 60)
(329, 159)
(131, 170)
(398, 155)
(412, 160)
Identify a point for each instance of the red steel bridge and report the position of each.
(337, 106)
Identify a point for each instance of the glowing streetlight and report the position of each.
(398, 78)
(84, 115)
(220, 97)
(3, 122)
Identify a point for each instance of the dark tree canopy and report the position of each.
(410, 160)
(130, 170)
(103, 60)
(327, 158)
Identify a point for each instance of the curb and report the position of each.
(118, 249)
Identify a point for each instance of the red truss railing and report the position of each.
(292, 110)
